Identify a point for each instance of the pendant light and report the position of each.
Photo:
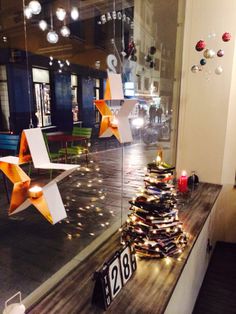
(65, 31)
(27, 12)
(35, 7)
(43, 25)
(74, 13)
(52, 36)
(61, 14)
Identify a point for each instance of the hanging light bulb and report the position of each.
(65, 31)
(43, 25)
(74, 13)
(28, 12)
(35, 7)
(52, 37)
(61, 14)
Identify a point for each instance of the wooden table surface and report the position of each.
(151, 286)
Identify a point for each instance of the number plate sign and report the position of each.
(113, 276)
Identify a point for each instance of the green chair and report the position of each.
(82, 148)
(53, 156)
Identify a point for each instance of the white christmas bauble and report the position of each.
(209, 53)
(218, 70)
(195, 68)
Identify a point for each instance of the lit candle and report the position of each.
(158, 160)
(35, 191)
(183, 182)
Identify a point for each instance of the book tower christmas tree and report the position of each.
(153, 226)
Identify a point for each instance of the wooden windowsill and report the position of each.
(150, 288)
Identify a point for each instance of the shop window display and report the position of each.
(59, 81)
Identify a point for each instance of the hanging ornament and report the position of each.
(74, 13)
(61, 14)
(195, 68)
(65, 31)
(35, 7)
(43, 25)
(226, 36)
(209, 53)
(203, 61)
(52, 37)
(200, 45)
(218, 70)
(220, 53)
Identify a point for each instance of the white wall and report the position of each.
(207, 125)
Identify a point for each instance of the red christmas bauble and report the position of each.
(226, 37)
(200, 45)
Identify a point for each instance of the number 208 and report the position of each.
(120, 271)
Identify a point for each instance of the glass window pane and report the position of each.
(40, 75)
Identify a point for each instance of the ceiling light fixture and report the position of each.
(74, 13)
(52, 36)
(43, 25)
(65, 31)
(28, 12)
(35, 7)
(61, 14)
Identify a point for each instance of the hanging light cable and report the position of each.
(52, 36)
(27, 68)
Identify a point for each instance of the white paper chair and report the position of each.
(39, 153)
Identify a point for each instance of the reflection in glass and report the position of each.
(43, 104)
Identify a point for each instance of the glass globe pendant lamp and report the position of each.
(52, 36)
(74, 13)
(61, 14)
(65, 31)
(27, 12)
(43, 25)
(35, 7)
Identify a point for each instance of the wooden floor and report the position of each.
(151, 286)
(218, 292)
